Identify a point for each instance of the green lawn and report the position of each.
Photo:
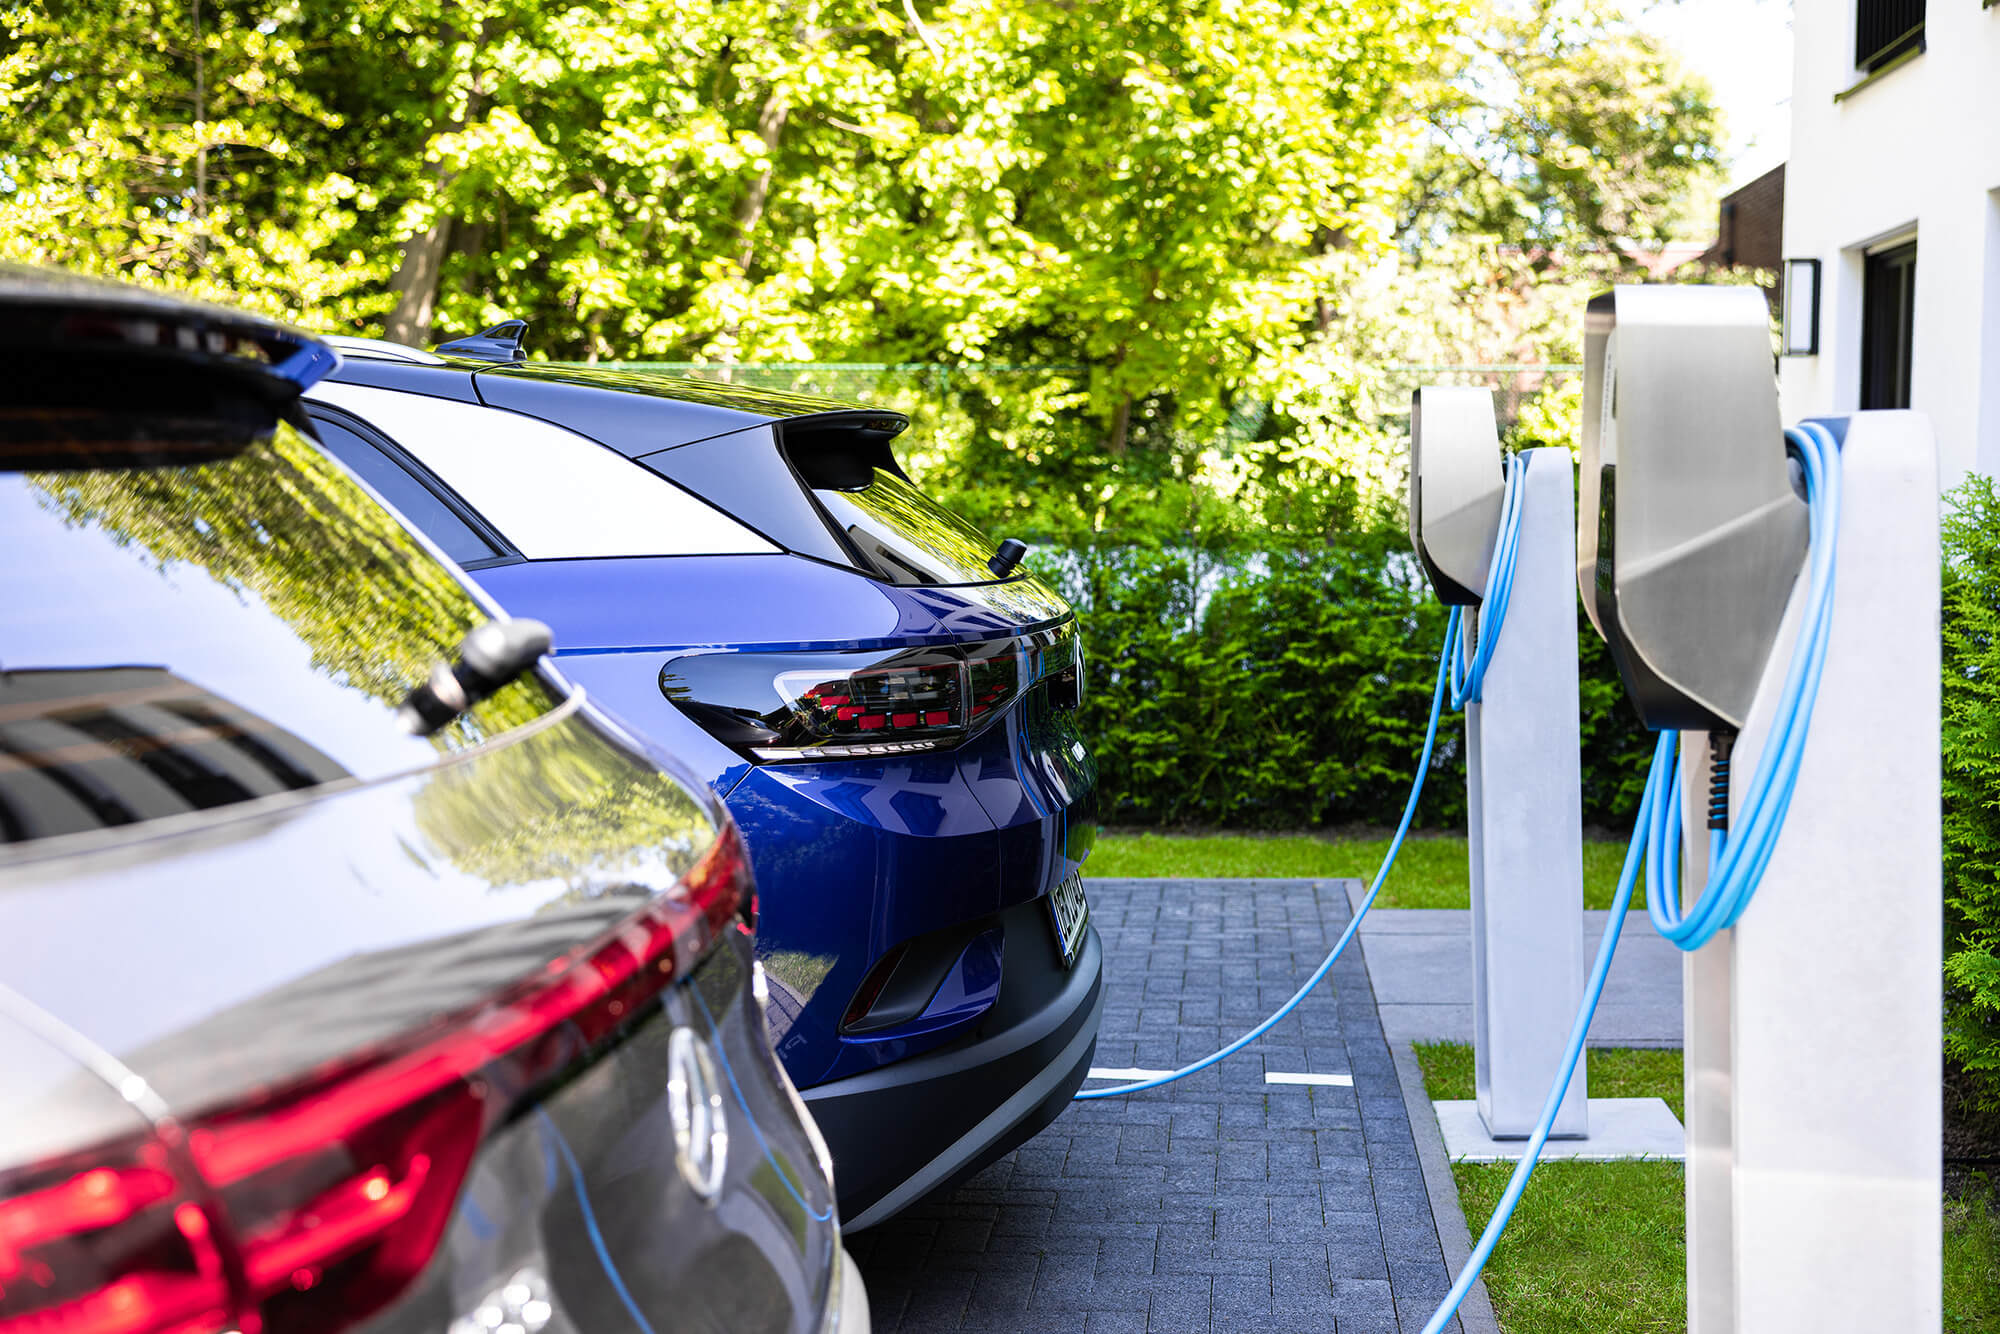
(1600, 1247)
(1972, 1262)
(1595, 1248)
(1430, 871)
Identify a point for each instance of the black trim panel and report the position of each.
(935, 1100)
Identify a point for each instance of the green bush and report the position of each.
(1972, 781)
(1289, 690)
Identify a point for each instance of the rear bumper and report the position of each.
(921, 1124)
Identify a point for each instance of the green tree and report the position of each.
(167, 143)
(1210, 218)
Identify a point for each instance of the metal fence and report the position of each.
(908, 384)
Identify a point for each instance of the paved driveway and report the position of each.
(1220, 1203)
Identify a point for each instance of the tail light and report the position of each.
(110, 1242)
(316, 1204)
(807, 706)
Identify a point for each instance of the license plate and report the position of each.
(1069, 913)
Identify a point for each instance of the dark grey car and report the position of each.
(358, 973)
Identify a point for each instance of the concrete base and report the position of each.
(1620, 1128)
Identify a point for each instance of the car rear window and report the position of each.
(903, 536)
(182, 637)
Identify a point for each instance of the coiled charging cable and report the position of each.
(1460, 677)
(1737, 862)
(1736, 865)
(1468, 671)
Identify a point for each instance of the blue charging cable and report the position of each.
(1326, 964)
(1737, 862)
(1459, 677)
(1468, 671)
(1736, 865)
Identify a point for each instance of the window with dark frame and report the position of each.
(417, 502)
(1888, 319)
(1885, 30)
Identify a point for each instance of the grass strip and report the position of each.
(1430, 871)
(1600, 1248)
(1972, 1259)
(1595, 1248)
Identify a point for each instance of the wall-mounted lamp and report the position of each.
(1801, 311)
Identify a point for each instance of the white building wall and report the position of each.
(1915, 153)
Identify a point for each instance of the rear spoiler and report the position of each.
(104, 374)
(838, 449)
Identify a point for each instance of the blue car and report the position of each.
(886, 703)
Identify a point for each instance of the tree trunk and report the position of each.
(750, 209)
(416, 283)
(1121, 424)
(421, 263)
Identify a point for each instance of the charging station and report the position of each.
(1813, 1022)
(1523, 810)
(1771, 600)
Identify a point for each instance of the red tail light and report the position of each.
(105, 1249)
(331, 1195)
(816, 706)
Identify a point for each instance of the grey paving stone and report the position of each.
(1114, 1322)
(1239, 1300)
(1421, 964)
(1181, 1303)
(1217, 1203)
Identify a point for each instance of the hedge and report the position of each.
(1972, 781)
(1289, 690)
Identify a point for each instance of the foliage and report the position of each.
(1971, 774)
(1213, 218)
(1290, 689)
(1572, 133)
(1972, 1259)
(173, 144)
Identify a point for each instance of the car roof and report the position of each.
(635, 412)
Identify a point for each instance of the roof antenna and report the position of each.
(500, 343)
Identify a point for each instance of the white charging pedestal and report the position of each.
(1812, 1028)
(1524, 822)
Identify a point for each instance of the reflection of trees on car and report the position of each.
(564, 805)
(283, 523)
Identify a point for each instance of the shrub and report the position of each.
(1972, 781)
(1289, 690)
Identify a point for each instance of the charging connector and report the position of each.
(1720, 745)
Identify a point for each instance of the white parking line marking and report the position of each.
(1288, 1077)
(1097, 1072)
